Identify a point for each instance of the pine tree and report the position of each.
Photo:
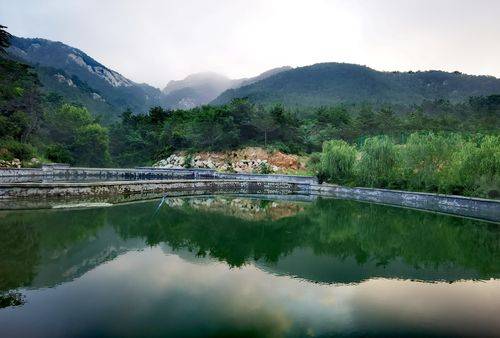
(4, 40)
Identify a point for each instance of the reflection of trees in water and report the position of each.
(18, 254)
(26, 236)
(336, 228)
(11, 299)
(332, 227)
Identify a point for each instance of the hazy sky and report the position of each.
(155, 41)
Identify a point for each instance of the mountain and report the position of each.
(195, 90)
(333, 83)
(201, 88)
(69, 70)
(79, 78)
(262, 76)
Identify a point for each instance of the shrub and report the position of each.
(377, 165)
(58, 153)
(477, 167)
(314, 163)
(427, 159)
(265, 168)
(337, 161)
(287, 148)
(15, 149)
(188, 161)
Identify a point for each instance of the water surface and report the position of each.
(242, 267)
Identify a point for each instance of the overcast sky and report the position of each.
(155, 41)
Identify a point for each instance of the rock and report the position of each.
(243, 160)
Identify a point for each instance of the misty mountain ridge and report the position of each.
(201, 88)
(79, 78)
(332, 83)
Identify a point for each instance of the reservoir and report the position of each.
(247, 267)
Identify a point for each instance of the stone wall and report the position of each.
(151, 182)
(59, 172)
(61, 190)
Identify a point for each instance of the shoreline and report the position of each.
(113, 185)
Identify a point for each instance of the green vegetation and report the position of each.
(65, 69)
(438, 146)
(337, 161)
(43, 125)
(377, 163)
(33, 124)
(448, 163)
(372, 235)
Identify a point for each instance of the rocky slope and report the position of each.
(247, 160)
(70, 65)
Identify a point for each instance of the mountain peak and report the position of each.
(196, 80)
(114, 88)
(56, 54)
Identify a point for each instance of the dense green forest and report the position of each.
(241, 123)
(36, 125)
(437, 145)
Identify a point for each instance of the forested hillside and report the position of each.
(79, 78)
(442, 145)
(87, 79)
(333, 83)
(40, 124)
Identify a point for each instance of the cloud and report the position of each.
(156, 41)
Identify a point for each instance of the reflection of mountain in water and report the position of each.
(303, 263)
(73, 261)
(330, 241)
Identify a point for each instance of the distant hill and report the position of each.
(201, 88)
(262, 76)
(195, 90)
(70, 71)
(77, 77)
(333, 83)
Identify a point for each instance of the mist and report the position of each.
(159, 41)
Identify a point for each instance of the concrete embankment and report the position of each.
(458, 205)
(122, 185)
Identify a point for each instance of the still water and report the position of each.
(243, 267)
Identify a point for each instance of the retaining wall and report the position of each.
(459, 205)
(206, 181)
(56, 190)
(61, 172)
